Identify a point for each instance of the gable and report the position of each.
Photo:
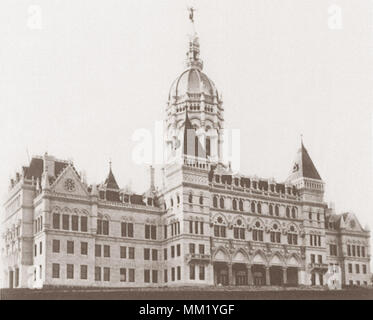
(69, 183)
(352, 223)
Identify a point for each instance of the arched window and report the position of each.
(275, 234)
(294, 213)
(208, 147)
(271, 210)
(219, 228)
(277, 211)
(178, 199)
(287, 212)
(292, 236)
(234, 204)
(196, 144)
(190, 198)
(253, 207)
(259, 207)
(239, 230)
(222, 203)
(258, 232)
(201, 199)
(241, 205)
(172, 202)
(215, 201)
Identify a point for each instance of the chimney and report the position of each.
(152, 184)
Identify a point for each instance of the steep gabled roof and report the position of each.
(35, 169)
(110, 182)
(303, 166)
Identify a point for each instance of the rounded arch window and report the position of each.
(287, 212)
(259, 208)
(271, 210)
(215, 201)
(190, 198)
(234, 204)
(293, 213)
(201, 199)
(172, 202)
(178, 199)
(241, 205)
(277, 211)
(222, 203)
(253, 207)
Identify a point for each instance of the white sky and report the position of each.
(98, 70)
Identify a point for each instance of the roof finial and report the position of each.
(193, 60)
(110, 163)
(301, 138)
(191, 13)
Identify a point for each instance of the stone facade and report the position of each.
(206, 226)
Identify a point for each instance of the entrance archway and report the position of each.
(276, 276)
(221, 274)
(292, 275)
(259, 275)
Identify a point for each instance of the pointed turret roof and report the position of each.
(110, 182)
(304, 166)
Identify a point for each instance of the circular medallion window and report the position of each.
(275, 227)
(220, 220)
(239, 222)
(69, 185)
(257, 224)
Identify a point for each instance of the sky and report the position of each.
(78, 78)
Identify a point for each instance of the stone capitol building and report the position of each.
(206, 226)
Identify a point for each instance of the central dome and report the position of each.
(192, 81)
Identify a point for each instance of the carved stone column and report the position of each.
(284, 275)
(250, 281)
(268, 277)
(230, 274)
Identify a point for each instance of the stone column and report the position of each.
(284, 275)
(268, 277)
(230, 274)
(250, 281)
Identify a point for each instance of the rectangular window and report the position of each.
(131, 275)
(154, 255)
(190, 226)
(311, 238)
(354, 251)
(165, 232)
(106, 274)
(55, 270)
(56, 220)
(35, 250)
(105, 230)
(40, 272)
(363, 252)
(123, 274)
(130, 230)
(201, 272)
(312, 258)
(147, 231)
(364, 269)
(99, 226)
(70, 271)
(192, 272)
(123, 252)
(97, 250)
(84, 248)
(70, 247)
(97, 273)
(350, 267)
(172, 274)
(349, 250)
(154, 232)
(192, 248)
(358, 251)
(319, 258)
(178, 273)
(74, 223)
(178, 250)
(172, 251)
(201, 227)
(146, 254)
(165, 275)
(155, 276)
(196, 227)
(41, 247)
(147, 276)
(131, 253)
(56, 246)
(319, 242)
(106, 251)
(65, 222)
(124, 229)
(83, 272)
(357, 267)
(165, 254)
(83, 224)
(202, 249)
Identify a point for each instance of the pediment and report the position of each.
(69, 183)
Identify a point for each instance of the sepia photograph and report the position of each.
(201, 152)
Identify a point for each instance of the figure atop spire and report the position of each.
(193, 60)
